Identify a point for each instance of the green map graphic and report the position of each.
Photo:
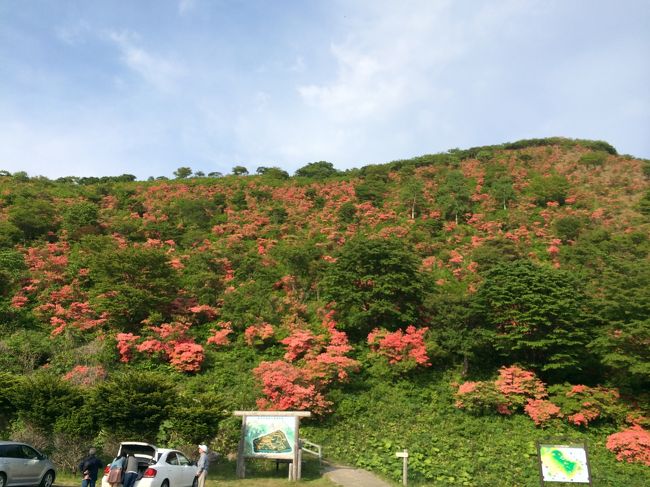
(564, 464)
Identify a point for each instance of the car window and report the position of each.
(28, 452)
(182, 459)
(171, 458)
(13, 451)
(4, 449)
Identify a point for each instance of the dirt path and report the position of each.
(352, 477)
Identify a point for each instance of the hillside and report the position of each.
(385, 299)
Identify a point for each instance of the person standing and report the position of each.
(202, 466)
(116, 470)
(89, 467)
(131, 470)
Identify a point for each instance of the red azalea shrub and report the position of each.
(400, 346)
(259, 332)
(125, 346)
(518, 385)
(541, 410)
(186, 356)
(220, 337)
(312, 362)
(514, 389)
(171, 342)
(631, 445)
(85, 375)
(286, 387)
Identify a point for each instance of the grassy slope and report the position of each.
(449, 447)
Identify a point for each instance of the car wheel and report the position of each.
(165, 483)
(195, 482)
(47, 480)
(3, 480)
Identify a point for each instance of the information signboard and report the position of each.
(563, 462)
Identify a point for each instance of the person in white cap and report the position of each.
(202, 464)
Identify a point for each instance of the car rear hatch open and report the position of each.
(143, 451)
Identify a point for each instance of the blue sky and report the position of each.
(100, 88)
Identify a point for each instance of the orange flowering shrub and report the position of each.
(400, 346)
(631, 445)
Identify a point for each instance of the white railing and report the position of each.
(312, 448)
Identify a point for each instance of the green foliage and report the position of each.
(644, 204)
(81, 219)
(24, 351)
(43, 398)
(594, 159)
(453, 195)
(535, 315)
(7, 407)
(374, 283)
(347, 212)
(193, 419)
(182, 173)
(129, 283)
(568, 228)
(133, 403)
(34, 216)
(317, 170)
(553, 187)
(273, 172)
(239, 171)
(238, 200)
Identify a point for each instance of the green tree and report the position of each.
(534, 315)
(182, 173)
(553, 187)
(193, 418)
(239, 171)
(7, 407)
(317, 170)
(272, 172)
(34, 216)
(133, 403)
(81, 219)
(412, 195)
(453, 195)
(129, 283)
(374, 283)
(42, 398)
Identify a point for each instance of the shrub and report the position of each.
(583, 405)
(631, 445)
(481, 398)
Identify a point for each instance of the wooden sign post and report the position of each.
(404, 455)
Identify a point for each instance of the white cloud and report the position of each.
(160, 72)
(396, 51)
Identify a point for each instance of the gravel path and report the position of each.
(352, 477)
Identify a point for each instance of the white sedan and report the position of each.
(157, 467)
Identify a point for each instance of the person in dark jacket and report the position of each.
(89, 467)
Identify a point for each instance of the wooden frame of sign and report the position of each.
(282, 442)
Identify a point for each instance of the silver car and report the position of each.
(22, 464)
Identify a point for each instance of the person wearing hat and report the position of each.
(202, 466)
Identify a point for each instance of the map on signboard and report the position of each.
(564, 463)
(269, 436)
